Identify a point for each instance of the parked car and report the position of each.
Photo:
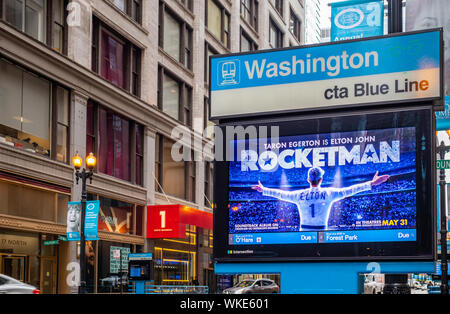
(373, 287)
(372, 284)
(113, 283)
(9, 285)
(254, 286)
(396, 284)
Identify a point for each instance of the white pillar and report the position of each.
(77, 145)
(149, 178)
(79, 23)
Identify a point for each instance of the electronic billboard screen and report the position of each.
(332, 193)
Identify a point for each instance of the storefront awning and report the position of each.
(169, 221)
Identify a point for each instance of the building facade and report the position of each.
(116, 78)
(313, 13)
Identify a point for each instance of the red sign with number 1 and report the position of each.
(169, 221)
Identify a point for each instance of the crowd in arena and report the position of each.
(375, 207)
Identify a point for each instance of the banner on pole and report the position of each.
(91, 220)
(356, 19)
(73, 221)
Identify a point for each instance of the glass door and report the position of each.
(13, 266)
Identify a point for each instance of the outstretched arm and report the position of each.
(258, 187)
(362, 187)
(379, 179)
(288, 196)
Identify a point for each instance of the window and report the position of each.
(117, 142)
(135, 71)
(175, 37)
(174, 97)
(115, 216)
(171, 97)
(132, 8)
(187, 4)
(112, 62)
(226, 31)
(3, 281)
(175, 178)
(247, 44)
(136, 9)
(31, 201)
(209, 176)
(295, 26)
(172, 36)
(35, 113)
(177, 267)
(116, 59)
(275, 35)
(29, 16)
(62, 123)
(191, 169)
(249, 11)
(188, 48)
(207, 124)
(120, 4)
(279, 6)
(91, 128)
(214, 20)
(113, 144)
(209, 51)
(32, 18)
(59, 29)
(118, 216)
(218, 22)
(139, 154)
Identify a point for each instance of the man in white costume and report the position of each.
(314, 204)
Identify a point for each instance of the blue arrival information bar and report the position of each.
(390, 235)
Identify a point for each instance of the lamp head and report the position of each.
(77, 162)
(91, 161)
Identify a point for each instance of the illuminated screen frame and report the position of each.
(420, 117)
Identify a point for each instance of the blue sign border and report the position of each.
(439, 98)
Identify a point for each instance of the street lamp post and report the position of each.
(91, 161)
(442, 149)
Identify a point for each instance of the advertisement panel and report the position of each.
(91, 220)
(74, 221)
(347, 187)
(394, 68)
(118, 259)
(325, 188)
(356, 19)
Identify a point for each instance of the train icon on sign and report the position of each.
(229, 72)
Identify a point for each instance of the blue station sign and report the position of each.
(393, 68)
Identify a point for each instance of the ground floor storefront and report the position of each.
(34, 248)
